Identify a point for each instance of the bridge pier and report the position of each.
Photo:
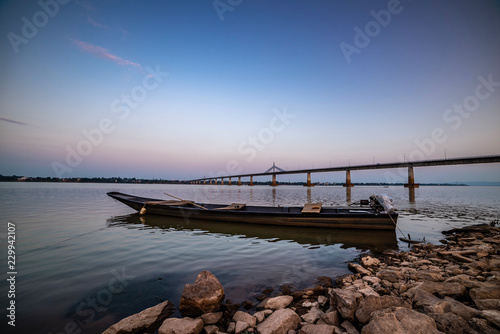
(273, 184)
(229, 182)
(239, 180)
(308, 183)
(210, 182)
(251, 181)
(411, 179)
(348, 183)
(221, 181)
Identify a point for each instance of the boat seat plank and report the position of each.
(169, 203)
(233, 206)
(312, 208)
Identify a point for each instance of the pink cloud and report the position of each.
(86, 5)
(94, 23)
(104, 53)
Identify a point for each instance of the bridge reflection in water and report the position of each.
(363, 240)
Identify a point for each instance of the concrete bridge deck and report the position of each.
(409, 164)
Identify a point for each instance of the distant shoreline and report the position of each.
(115, 180)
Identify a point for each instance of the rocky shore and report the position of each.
(448, 288)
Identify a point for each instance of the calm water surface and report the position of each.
(85, 261)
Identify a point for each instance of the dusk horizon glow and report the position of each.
(176, 90)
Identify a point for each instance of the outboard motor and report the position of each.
(382, 203)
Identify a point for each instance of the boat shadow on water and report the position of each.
(375, 241)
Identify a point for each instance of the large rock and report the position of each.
(368, 261)
(146, 321)
(330, 318)
(211, 318)
(280, 322)
(346, 302)
(204, 296)
(243, 316)
(317, 329)
(275, 303)
(492, 316)
(451, 323)
(400, 320)
(181, 326)
(313, 315)
(391, 275)
(427, 275)
(481, 326)
(485, 295)
(462, 310)
(442, 289)
(356, 268)
(374, 303)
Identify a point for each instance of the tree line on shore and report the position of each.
(17, 178)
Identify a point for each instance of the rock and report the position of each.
(485, 291)
(146, 321)
(400, 321)
(451, 323)
(488, 304)
(369, 261)
(181, 326)
(243, 316)
(374, 303)
(322, 300)
(204, 296)
(275, 303)
(349, 328)
(421, 298)
(346, 302)
(231, 327)
(247, 304)
(481, 326)
(280, 322)
(240, 326)
(427, 275)
(462, 310)
(313, 315)
(371, 280)
(325, 281)
(356, 268)
(211, 318)
(210, 329)
(261, 315)
(368, 292)
(492, 316)
(330, 318)
(444, 288)
(391, 275)
(317, 329)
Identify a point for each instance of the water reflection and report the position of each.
(375, 241)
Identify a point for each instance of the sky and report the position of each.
(186, 89)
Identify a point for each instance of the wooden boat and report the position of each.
(312, 214)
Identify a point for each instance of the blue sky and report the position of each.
(185, 89)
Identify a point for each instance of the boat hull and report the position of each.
(342, 218)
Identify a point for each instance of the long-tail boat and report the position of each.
(374, 217)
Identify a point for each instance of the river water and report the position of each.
(84, 260)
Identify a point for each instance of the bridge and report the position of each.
(274, 170)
